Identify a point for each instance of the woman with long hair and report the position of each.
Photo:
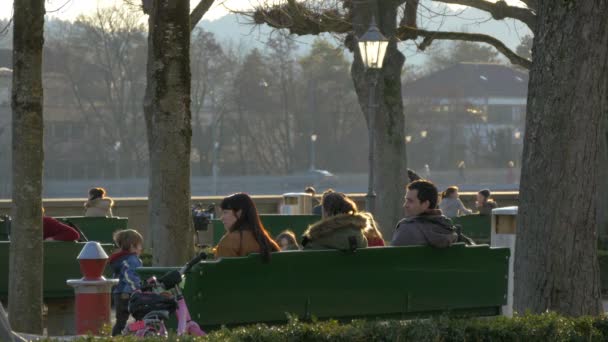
(372, 233)
(451, 205)
(342, 227)
(245, 233)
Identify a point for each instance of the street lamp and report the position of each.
(372, 47)
(313, 139)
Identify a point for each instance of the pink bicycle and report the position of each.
(158, 297)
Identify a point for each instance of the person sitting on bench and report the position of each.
(53, 230)
(342, 226)
(98, 204)
(424, 224)
(245, 233)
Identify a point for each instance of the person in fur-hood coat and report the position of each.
(342, 226)
(98, 204)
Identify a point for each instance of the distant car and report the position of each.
(317, 178)
(322, 173)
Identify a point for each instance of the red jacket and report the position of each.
(58, 231)
(375, 242)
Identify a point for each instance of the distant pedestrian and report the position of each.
(98, 204)
(484, 203)
(451, 205)
(510, 172)
(317, 209)
(461, 169)
(427, 171)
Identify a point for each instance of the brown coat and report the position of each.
(237, 244)
(430, 228)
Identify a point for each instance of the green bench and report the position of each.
(383, 282)
(275, 224)
(98, 229)
(5, 227)
(477, 227)
(60, 264)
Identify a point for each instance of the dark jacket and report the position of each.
(334, 232)
(486, 207)
(431, 228)
(123, 266)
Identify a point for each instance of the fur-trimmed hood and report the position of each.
(330, 225)
(102, 203)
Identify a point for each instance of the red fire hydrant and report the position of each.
(93, 291)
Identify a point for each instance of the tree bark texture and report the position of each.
(168, 121)
(25, 284)
(556, 266)
(389, 135)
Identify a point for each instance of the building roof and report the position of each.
(470, 80)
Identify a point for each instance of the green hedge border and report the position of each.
(544, 327)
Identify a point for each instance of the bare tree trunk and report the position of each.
(167, 112)
(389, 137)
(25, 285)
(556, 266)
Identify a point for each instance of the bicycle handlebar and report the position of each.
(193, 262)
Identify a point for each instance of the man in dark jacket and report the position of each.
(424, 224)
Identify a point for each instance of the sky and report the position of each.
(70, 9)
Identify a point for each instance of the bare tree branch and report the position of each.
(199, 11)
(301, 20)
(499, 10)
(406, 32)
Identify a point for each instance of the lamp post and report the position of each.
(372, 47)
(313, 139)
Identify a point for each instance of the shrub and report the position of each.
(545, 327)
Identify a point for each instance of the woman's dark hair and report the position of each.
(335, 203)
(250, 220)
(96, 193)
(449, 191)
(485, 193)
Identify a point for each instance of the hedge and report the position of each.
(545, 327)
